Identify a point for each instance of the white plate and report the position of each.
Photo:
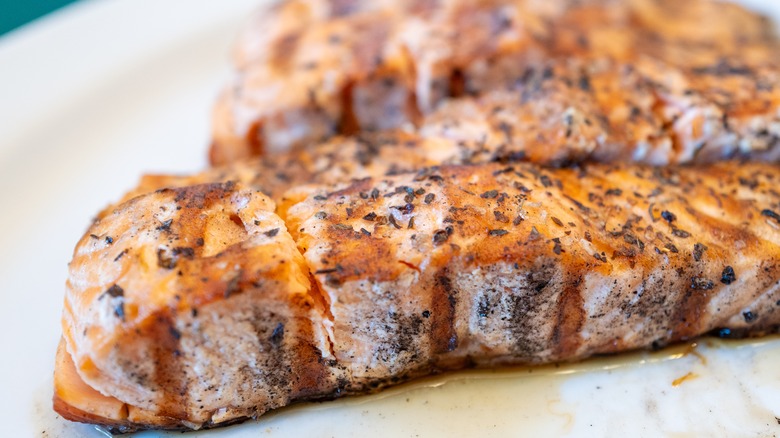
(101, 92)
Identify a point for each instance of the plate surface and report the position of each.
(101, 92)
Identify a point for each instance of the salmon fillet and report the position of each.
(171, 295)
(655, 86)
(196, 307)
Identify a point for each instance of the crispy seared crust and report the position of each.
(662, 88)
(442, 269)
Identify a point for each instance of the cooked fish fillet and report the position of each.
(193, 307)
(309, 70)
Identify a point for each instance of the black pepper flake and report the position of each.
(333, 281)
(272, 233)
(723, 333)
(490, 194)
(426, 313)
(750, 183)
(375, 194)
(680, 233)
(749, 316)
(119, 310)
(320, 215)
(517, 220)
(363, 195)
(419, 191)
(498, 232)
(320, 198)
(109, 240)
(94, 236)
(440, 236)
(584, 82)
(121, 254)
(521, 187)
(588, 236)
(600, 257)
(698, 251)
(545, 181)
(199, 242)
(671, 248)
(613, 192)
(701, 283)
(370, 217)
(668, 216)
(165, 226)
(557, 221)
(410, 224)
(232, 286)
(501, 217)
(327, 271)
(342, 227)
(114, 291)
(771, 214)
(175, 333)
(365, 231)
(728, 276)
(165, 259)
(579, 204)
(404, 209)
(631, 239)
(184, 251)
(257, 222)
(277, 335)
(391, 219)
(429, 198)
(557, 247)
(349, 212)
(504, 170)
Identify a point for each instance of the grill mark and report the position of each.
(524, 310)
(168, 377)
(348, 123)
(443, 302)
(689, 311)
(571, 316)
(457, 84)
(413, 109)
(254, 138)
(278, 380)
(310, 376)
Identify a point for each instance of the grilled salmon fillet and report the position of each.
(649, 82)
(198, 306)
(188, 306)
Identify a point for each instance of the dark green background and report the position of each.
(14, 13)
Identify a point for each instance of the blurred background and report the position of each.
(15, 13)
